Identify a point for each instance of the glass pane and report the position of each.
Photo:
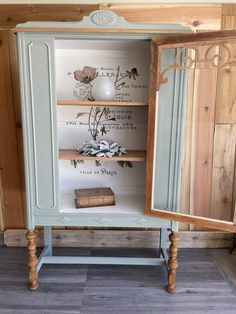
(195, 137)
(168, 120)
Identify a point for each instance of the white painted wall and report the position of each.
(130, 126)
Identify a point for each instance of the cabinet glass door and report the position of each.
(188, 80)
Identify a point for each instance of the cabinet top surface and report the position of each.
(101, 21)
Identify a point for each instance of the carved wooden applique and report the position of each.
(190, 52)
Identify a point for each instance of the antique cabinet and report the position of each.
(59, 63)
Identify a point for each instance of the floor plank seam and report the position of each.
(223, 273)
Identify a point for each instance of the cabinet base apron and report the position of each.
(46, 257)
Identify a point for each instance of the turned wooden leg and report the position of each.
(172, 262)
(32, 260)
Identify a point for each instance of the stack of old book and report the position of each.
(94, 197)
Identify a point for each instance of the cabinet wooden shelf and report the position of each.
(125, 204)
(63, 102)
(133, 155)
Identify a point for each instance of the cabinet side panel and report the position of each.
(39, 122)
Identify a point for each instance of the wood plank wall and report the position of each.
(218, 134)
(11, 180)
(223, 168)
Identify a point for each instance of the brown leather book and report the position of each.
(94, 197)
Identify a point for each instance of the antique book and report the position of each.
(94, 197)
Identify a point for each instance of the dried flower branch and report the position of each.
(95, 119)
(133, 73)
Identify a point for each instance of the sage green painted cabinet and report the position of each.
(59, 63)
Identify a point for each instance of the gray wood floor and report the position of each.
(206, 284)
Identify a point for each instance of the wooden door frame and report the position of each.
(191, 41)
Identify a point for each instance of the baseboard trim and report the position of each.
(120, 238)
